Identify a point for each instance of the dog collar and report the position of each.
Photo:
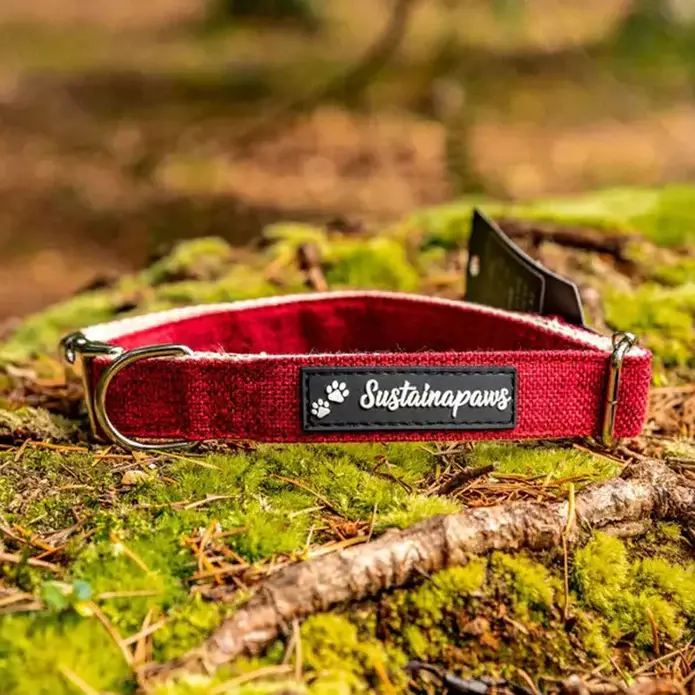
(356, 366)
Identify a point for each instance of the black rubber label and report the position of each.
(399, 398)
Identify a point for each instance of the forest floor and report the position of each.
(113, 561)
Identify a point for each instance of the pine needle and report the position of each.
(571, 519)
(147, 630)
(304, 486)
(280, 670)
(31, 561)
(298, 656)
(15, 598)
(136, 593)
(129, 553)
(77, 682)
(113, 633)
(189, 459)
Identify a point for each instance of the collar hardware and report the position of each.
(622, 342)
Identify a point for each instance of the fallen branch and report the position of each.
(401, 556)
(584, 238)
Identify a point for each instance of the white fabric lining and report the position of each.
(113, 330)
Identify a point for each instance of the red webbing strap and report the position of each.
(243, 380)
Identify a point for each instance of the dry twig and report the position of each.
(32, 562)
(401, 556)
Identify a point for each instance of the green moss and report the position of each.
(613, 209)
(331, 641)
(200, 259)
(635, 614)
(665, 216)
(445, 591)
(669, 219)
(680, 448)
(344, 475)
(556, 462)
(271, 515)
(600, 571)
(42, 332)
(204, 685)
(459, 581)
(416, 508)
(675, 273)
(107, 568)
(533, 586)
(186, 627)
(379, 263)
(663, 317)
(406, 462)
(241, 282)
(488, 617)
(675, 582)
(34, 648)
(332, 644)
(416, 642)
(667, 543)
(332, 684)
(286, 238)
(671, 531)
(635, 598)
(35, 423)
(447, 226)
(593, 635)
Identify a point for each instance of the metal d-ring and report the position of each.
(102, 388)
(622, 342)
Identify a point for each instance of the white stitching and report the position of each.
(118, 329)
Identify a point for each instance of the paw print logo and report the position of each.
(337, 392)
(320, 408)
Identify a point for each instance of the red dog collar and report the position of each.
(357, 366)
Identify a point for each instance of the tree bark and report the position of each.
(401, 556)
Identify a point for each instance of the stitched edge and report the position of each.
(122, 327)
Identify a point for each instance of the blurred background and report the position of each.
(126, 125)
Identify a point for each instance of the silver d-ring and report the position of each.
(107, 377)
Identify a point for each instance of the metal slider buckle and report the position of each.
(77, 346)
(622, 342)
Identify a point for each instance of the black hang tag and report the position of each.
(501, 275)
(339, 399)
